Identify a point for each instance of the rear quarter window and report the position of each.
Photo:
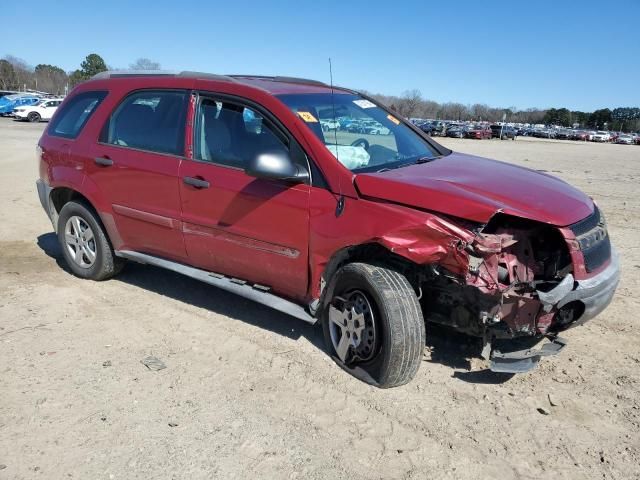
(70, 119)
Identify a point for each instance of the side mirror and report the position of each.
(276, 166)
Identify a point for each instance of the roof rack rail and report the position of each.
(304, 81)
(202, 75)
(132, 73)
(159, 73)
(205, 76)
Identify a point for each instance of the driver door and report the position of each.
(241, 226)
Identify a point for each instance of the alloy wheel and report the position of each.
(80, 242)
(352, 327)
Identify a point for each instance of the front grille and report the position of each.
(591, 234)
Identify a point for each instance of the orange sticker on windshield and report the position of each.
(307, 117)
(393, 119)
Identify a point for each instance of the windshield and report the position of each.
(361, 135)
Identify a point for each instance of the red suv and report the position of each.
(233, 180)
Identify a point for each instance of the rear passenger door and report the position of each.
(136, 164)
(245, 227)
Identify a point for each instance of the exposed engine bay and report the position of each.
(510, 261)
(516, 269)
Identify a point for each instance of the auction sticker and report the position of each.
(364, 103)
(307, 117)
(393, 119)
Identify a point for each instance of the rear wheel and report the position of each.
(373, 325)
(84, 243)
(33, 117)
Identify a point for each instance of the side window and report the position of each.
(149, 120)
(230, 134)
(68, 122)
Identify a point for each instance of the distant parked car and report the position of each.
(625, 139)
(439, 129)
(9, 102)
(480, 132)
(503, 132)
(545, 133)
(329, 125)
(601, 136)
(564, 134)
(457, 132)
(426, 128)
(579, 135)
(41, 111)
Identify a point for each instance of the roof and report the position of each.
(273, 84)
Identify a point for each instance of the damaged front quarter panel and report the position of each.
(421, 238)
(482, 279)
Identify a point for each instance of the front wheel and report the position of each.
(33, 117)
(373, 325)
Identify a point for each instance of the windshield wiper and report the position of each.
(408, 164)
(426, 159)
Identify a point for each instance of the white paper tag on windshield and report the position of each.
(364, 103)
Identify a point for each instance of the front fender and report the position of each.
(420, 237)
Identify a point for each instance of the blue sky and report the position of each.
(581, 55)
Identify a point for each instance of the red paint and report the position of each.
(281, 235)
(475, 188)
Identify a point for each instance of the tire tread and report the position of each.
(405, 322)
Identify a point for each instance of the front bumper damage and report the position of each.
(521, 361)
(594, 293)
(591, 295)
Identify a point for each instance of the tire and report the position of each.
(88, 255)
(392, 338)
(33, 117)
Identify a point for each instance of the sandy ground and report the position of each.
(250, 393)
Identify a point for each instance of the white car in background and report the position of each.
(625, 139)
(40, 111)
(329, 125)
(601, 136)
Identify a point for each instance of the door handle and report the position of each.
(196, 182)
(105, 162)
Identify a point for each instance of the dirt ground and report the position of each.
(250, 393)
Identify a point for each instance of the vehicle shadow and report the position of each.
(456, 350)
(199, 294)
(446, 346)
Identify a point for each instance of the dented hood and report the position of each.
(475, 188)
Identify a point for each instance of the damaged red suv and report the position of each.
(268, 187)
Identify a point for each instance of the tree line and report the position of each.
(411, 104)
(619, 119)
(16, 74)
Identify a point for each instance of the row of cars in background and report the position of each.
(477, 131)
(482, 130)
(354, 125)
(29, 106)
(600, 136)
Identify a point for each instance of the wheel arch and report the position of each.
(372, 253)
(63, 194)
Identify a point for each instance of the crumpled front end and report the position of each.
(525, 280)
